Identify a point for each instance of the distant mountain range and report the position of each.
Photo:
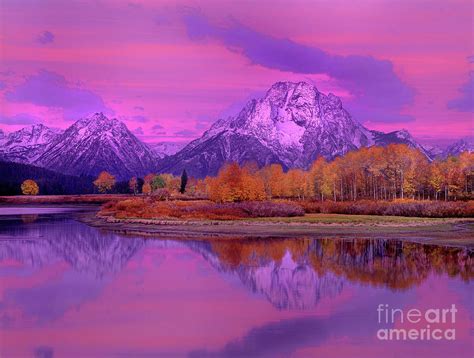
(84, 149)
(291, 125)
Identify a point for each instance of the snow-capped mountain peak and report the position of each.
(98, 123)
(282, 116)
(98, 143)
(292, 125)
(404, 134)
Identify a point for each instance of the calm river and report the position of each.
(70, 290)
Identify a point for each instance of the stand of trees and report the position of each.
(167, 184)
(376, 173)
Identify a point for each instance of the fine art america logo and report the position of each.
(415, 324)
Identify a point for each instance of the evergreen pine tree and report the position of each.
(184, 182)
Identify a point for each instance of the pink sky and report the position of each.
(169, 69)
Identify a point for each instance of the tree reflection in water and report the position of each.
(297, 273)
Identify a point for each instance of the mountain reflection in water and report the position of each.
(293, 275)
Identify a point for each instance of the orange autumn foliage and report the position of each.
(104, 182)
(234, 183)
(29, 187)
(376, 173)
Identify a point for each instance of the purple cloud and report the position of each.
(379, 92)
(50, 89)
(46, 37)
(21, 118)
(464, 103)
(2, 85)
(139, 108)
(141, 119)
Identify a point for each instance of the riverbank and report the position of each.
(441, 231)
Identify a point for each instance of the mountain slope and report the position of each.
(292, 124)
(399, 137)
(98, 143)
(463, 145)
(27, 144)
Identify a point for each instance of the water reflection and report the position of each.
(29, 218)
(69, 289)
(290, 273)
(389, 263)
(84, 248)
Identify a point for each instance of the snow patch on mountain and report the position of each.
(98, 143)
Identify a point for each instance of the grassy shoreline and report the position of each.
(449, 232)
(204, 220)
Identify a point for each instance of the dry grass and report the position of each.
(410, 208)
(149, 209)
